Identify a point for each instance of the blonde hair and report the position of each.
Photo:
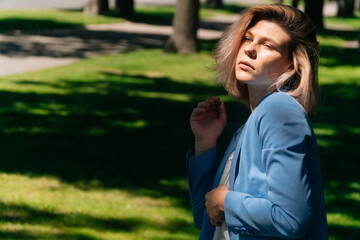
(301, 80)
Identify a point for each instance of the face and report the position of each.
(263, 54)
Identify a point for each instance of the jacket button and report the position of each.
(244, 231)
(236, 230)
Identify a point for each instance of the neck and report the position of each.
(256, 94)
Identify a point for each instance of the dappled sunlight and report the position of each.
(95, 150)
(44, 206)
(339, 219)
(343, 208)
(108, 145)
(48, 19)
(174, 97)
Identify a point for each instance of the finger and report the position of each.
(204, 104)
(223, 186)
(215, 221)
(206, 198)
(210, 105)
(222, 112)
(198, 110)
(213, 99)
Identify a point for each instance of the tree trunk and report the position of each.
(96, 7)
(214, 3)
(185, 24)
(295, 3)
(105, 5)
(357, 5)
(125, 7)
(314, 9)
(346, 8)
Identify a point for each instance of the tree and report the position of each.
(357, 5)
(125, 7)
(295, 3)
(346, 8)
(314, 9)
(185, 24)
(214, 3)
(96, 7)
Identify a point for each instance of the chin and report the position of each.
(243, 79)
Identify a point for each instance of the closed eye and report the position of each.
(269, 46)
(246, 39)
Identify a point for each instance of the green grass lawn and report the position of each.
(95, 150)
(49, 19)
(353, 22)
(11, 20)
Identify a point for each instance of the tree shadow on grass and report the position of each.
(14, 214)
(337, 126)
(344, 232)
(84, 43)
(343, 34)
(123, 140)
(340, 56)
(12, 24)
(111, 131)
(338, 123)
(164, 16)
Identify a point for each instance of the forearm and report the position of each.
(203, 145)
(263, 217)
(201, 173)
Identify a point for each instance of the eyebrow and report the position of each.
(266, 39)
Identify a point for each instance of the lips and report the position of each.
(246, 65)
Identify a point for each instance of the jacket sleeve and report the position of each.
(201, 172)
(285, 134)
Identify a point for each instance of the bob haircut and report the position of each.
(301, 79)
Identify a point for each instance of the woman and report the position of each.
(268, 184)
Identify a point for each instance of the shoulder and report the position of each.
(279, 119)
(280, 106)
(280, 101)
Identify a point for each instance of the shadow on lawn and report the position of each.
(121, 140)
(164, 16)
(111, 138)
(12, 24)
(126, 141)
(77, 222)
(338, 124)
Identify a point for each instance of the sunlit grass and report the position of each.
(353, 22)
(166, 12)
(49, 19)
(136, 68)
(95, 149)
(46, 207)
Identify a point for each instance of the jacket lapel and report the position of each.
(231, 148)
(235, 162)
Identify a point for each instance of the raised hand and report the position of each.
(207, 122)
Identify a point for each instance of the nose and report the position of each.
(250, 51)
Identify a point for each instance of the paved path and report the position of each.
(34, 50)
(76, 4)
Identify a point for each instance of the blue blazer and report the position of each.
(275, 180)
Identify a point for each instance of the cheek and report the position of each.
(275, 65)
